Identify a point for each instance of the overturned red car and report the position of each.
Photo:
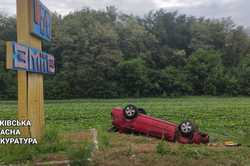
(133, 119)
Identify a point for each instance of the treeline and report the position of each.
(108, 54)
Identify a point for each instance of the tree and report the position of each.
(244, 74)
(7, 78)
(207, 34)
(90, 53)
(205, 71)
(174, 82)
(8, 86)
(108, 54)
(236, 47)
(133, 77)
(134, 40)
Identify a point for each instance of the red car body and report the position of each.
(155, 127)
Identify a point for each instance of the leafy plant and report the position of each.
(162, 148)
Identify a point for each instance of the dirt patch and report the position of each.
(78, 136)
(53, 159)
(136, 150)
(144, 148)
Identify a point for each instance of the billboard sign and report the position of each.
(41, 21)
(30, 59)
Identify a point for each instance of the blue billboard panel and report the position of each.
(41, 21)
(32, 60)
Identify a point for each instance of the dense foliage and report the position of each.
(107, 54)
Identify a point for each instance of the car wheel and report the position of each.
(130, 111)
(142, 111)
(187, 128)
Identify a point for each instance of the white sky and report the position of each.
(237, 9)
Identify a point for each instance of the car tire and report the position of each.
(130, 111)
(187, 128)
(142, 111)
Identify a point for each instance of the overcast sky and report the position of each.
(239, 10)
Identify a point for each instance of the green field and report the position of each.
(223, 118)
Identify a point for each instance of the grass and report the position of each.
(162, 148)
(223, 118)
